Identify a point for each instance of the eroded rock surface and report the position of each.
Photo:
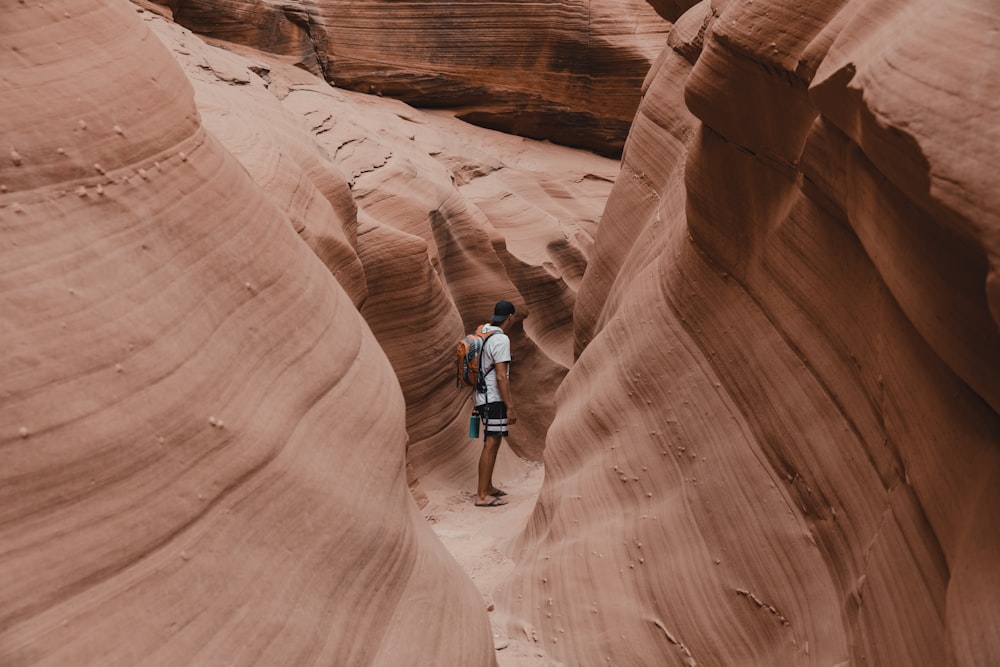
(780, 442)
(778, 438)
(207, 402)
(568, 71)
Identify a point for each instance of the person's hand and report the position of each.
(511, 416)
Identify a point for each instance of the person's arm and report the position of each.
(503, 384)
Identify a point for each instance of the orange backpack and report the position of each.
(469, 359)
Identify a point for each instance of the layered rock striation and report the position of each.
(203, 440)
(780, 441)
(763, 373)
(567, 71)
(230, 305)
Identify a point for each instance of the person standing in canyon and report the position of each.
(495, 405)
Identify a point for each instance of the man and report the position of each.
(495, 405)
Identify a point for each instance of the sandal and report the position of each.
(496, 502)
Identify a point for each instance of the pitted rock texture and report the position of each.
(780, 442)
(177, 438)
(208, 403)
(763, 374)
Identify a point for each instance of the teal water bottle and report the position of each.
(474, 425)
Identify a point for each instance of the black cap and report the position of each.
(502, 311)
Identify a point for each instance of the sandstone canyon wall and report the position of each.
(564, 70)
(780, 442)
(207, 405)
(777, 441)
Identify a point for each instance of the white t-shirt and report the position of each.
(496, 350)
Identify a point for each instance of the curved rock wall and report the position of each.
(568, 71)
(229, 298)
(229, 318)
(291, 29)
(186, 385)
(399, 205)
(780, 441)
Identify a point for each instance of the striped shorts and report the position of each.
(494, 416)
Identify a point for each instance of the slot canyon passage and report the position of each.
(755, 250)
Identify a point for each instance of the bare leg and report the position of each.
(487, 461)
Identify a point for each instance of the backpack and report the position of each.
(469, 359)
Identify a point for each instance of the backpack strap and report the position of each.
(482, 376)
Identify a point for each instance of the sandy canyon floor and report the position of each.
(482, 541)
(759, 352)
